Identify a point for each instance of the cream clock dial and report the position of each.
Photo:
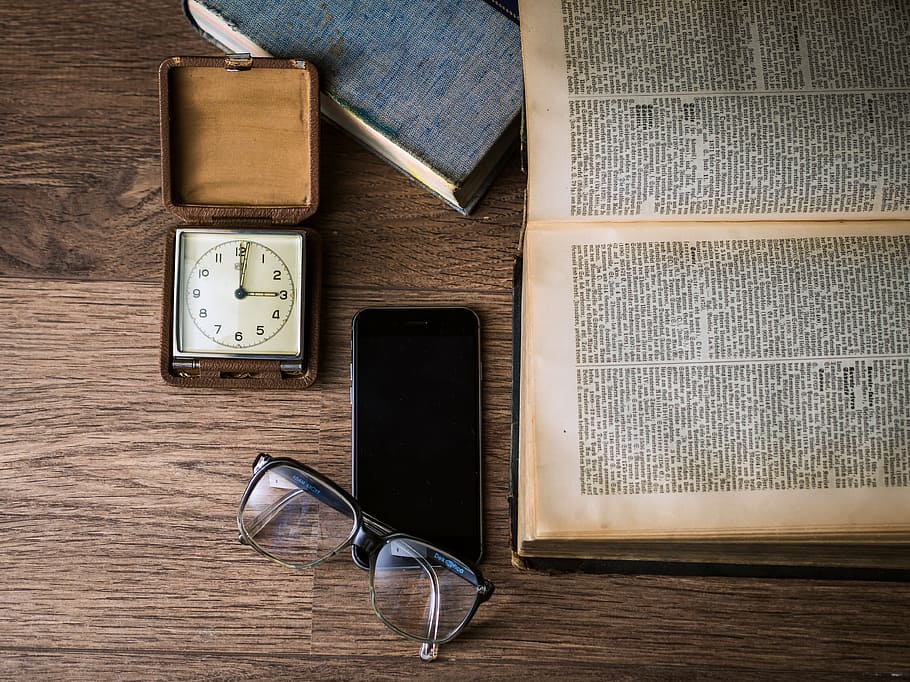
(238, 294)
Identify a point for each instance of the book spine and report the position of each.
(508, 7)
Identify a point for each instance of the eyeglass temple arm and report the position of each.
(428, 650)
(329, 499)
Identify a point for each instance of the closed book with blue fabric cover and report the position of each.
(433, 87)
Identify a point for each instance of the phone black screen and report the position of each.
(416, 423)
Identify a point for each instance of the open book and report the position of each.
(715, 301)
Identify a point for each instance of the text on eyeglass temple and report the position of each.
(448, 563)
(305, 484)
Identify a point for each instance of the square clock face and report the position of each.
(238, 294)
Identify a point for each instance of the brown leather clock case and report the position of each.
(240, 151)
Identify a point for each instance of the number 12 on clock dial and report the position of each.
(238, 294)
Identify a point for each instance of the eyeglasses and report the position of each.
(299, 518)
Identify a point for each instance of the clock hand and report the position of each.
(244, 260)
(261, 293)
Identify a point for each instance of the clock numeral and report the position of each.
(276, 275)
(260, 330)
(217, 328)
(240, 251)
(203, 312)
(238, 336)
(283, 295)
(196, 293)
(204, 272)
(276, 315)
(217, 257)
(263, 258)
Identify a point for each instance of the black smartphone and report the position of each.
(415, 398)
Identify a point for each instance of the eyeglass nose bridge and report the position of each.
(366, 540)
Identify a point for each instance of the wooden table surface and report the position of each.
(118, 552)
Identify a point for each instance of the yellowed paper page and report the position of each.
(694, 111)
(703, 379)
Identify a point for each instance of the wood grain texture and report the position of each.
(118, 549)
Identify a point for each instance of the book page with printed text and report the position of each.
(716, 283)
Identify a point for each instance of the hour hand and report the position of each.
(261, 293)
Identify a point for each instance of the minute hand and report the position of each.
(244, 260)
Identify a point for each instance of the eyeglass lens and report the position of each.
(421, 591)
(296, 519)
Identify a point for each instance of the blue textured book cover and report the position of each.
(440, 79)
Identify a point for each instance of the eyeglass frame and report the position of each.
(369, 535)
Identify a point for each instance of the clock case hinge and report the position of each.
(221, 221)
(192, 368)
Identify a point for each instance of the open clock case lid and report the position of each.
(240, 150)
